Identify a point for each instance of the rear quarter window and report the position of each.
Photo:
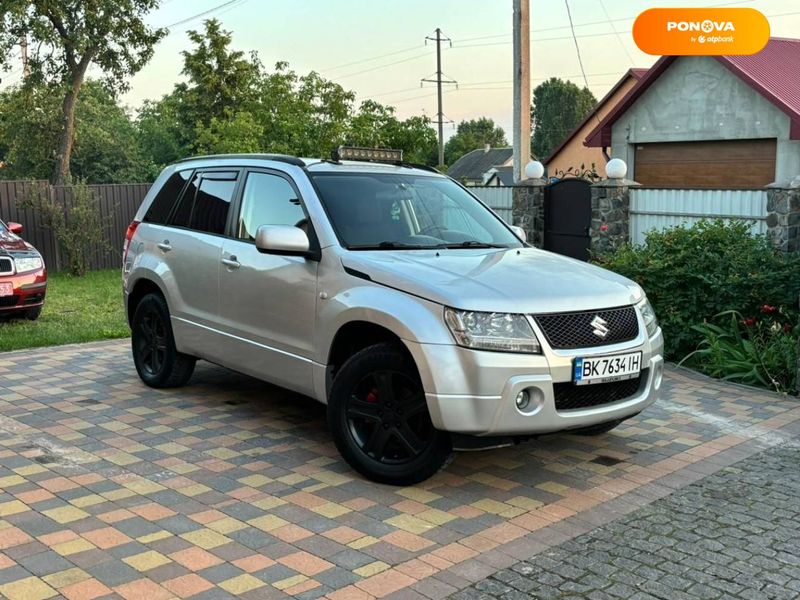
(167, 196)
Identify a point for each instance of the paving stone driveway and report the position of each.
(232, 488)
(734, 535)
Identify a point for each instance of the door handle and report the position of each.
(231, 262)
(164, 246)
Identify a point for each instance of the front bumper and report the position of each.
(29, 290)
(474, 392)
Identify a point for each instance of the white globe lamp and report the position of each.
(616, 168)
(534, 170)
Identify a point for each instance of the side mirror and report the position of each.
(519, 232)
(282, 239)
(14, 228)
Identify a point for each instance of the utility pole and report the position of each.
(23, 52)
(440, 120)
(522, 88)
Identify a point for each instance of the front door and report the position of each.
(268, 302)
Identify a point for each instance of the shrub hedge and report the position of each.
(691, 274)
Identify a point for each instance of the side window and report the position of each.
(214, 196)
(166, 197)
(268, 200)
(205, 202)
(183, 213)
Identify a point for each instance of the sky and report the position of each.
(377, 48)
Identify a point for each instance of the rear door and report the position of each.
(192, 250)
(267, 301)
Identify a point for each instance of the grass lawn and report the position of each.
(76, 309)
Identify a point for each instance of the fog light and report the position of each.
(523, 400)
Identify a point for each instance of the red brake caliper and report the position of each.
(373, 395)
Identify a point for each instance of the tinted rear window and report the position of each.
(213, 200)
(205, 202)
(166, 197)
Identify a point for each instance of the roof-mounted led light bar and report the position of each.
(384, 155)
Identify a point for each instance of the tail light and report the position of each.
(128, 237)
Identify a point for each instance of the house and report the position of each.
(497, 176)
(472, 168)
(571, 152)
(710, 121)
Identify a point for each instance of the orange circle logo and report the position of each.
(701, 31)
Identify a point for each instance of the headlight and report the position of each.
(502, 332)
(27, 263)
(649, 316)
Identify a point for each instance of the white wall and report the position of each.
(697, 98)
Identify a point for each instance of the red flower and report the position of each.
(768, 309)
(749, 322)
(603, 227)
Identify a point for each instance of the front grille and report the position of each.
(574, 330)
(6, 265)
(570, 396)
(7, 301)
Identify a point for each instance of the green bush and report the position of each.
(756, 351)
(691, 274)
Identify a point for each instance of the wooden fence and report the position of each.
(118, 205)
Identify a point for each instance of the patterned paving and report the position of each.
(232, 488)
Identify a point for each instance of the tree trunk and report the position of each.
(61, 174)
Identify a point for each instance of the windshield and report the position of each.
(373, 211)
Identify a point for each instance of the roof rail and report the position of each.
(420, 166)
(284, 158)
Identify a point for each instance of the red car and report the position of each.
(23, 277)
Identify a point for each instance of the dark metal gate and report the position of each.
(567, 217)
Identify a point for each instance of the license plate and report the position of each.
(6, 289)
(602, 369)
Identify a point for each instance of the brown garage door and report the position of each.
(718, 164)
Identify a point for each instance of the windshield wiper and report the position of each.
(474, 244)
(395, 246)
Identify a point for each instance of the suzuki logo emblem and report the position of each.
(600, 326)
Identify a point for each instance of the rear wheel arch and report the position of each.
(140, 289)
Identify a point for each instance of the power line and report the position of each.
(364, 60)
(577, 47)
(203, 14)
(397, 62)
(619, 37)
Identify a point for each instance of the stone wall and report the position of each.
(527, 209)
(610, 215)
(783, 218)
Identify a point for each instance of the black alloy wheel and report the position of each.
(157, 360)
(379, 418)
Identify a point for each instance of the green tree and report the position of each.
(376, 125)
(222, 82)
(306, 115)
(558, 107)
(105, 148)
(471, 135)
(70, 35)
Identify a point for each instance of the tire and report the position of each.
(33, 313)
(157, 361)
(599, 429)
(379, 418)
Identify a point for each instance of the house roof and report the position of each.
(474, 164)
(772, 72)
(635, 73)
(504, 173)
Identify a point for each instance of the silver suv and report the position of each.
(388, 292)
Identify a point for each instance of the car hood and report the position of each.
(10, 242)
(526, 280)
